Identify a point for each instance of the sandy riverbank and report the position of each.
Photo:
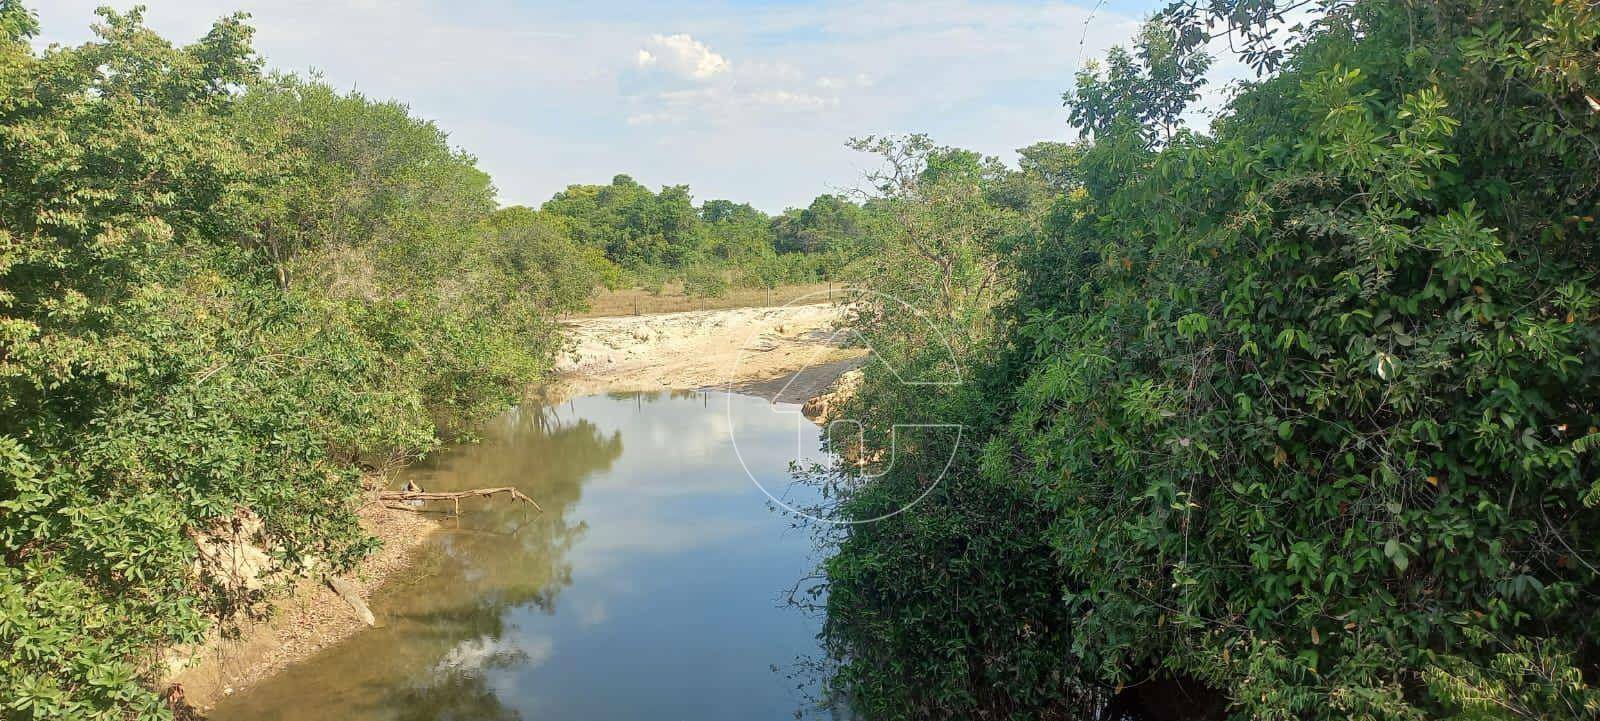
(787, 353)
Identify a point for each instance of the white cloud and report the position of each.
(679, 80)
(682, 55)
(787, 99)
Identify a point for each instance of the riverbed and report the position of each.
(655, 583)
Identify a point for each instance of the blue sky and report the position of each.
(740, 99)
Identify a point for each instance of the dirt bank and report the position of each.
(787, 353)
(309, 618)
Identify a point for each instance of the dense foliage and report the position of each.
(222, 293)
(1301, 413)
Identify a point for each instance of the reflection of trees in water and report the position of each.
(503, 556)
(448, 618)
(645, 397)
(831, 478)
(456, 696)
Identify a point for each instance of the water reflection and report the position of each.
(651, 587)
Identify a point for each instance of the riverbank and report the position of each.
(307, 618)
(781, 354)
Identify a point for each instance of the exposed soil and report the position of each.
(786, 354)
(305, 620)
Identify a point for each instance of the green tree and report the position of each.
(736, 234)
(1047, 170)
(938, 233)
(829, 222)
(222, 296)
(634, 226)
(1298, 413)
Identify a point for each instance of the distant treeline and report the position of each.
(649, 238)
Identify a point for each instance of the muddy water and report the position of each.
(653, 586)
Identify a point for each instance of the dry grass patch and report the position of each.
(638, 301)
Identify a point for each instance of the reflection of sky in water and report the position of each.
(652, 588)
(676, 586)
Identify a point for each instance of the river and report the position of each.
(655, 584)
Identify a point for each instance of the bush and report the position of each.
(207, 311)
(1302, 410)
(704, 280)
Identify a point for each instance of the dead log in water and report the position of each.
(456, 496)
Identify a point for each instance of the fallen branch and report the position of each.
(456, 496)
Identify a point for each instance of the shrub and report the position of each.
(206, 311)
(1303, 409)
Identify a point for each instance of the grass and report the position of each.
(671, 299)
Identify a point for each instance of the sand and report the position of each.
(786, 353)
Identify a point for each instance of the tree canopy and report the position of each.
(1297, 414)
(222, 295)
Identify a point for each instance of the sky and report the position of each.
(750, 100)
